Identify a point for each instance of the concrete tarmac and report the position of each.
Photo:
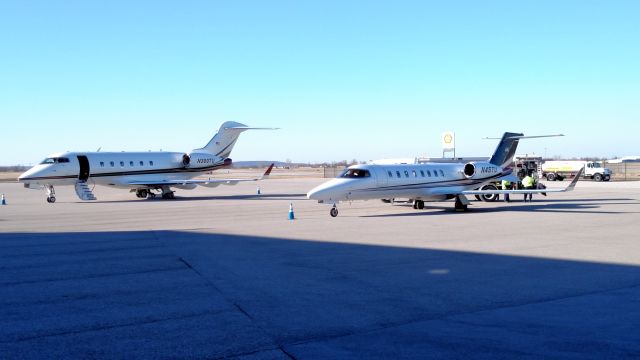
(221, 273)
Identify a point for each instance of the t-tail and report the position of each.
(223, 141)
(506, 149)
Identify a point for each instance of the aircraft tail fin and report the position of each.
(224, 140)
(506, 149)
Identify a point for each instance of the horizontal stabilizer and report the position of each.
(524, 137)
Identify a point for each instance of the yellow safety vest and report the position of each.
(527, 181)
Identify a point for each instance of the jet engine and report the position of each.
(469, 170)
(474, 170)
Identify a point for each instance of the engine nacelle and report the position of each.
(200, 160)
(474, 170)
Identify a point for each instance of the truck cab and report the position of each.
(596, 171)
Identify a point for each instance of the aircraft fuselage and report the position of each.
(119, 168)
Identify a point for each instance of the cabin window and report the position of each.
(101, 163)
(415, 174)
(390, 174)
(398, 173)
(356, 173)
(422, 173)
(112, 164)
(121, 163)
(150, 163)
(429, 173)
(130, 163)
(435, 173)
(406, 173)
(441, 173)
(141, 163)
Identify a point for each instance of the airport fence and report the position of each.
(332, 171)
(625, 171)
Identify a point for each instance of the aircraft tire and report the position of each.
(333, 212)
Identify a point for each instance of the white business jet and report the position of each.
(141, 172)
(427, 181)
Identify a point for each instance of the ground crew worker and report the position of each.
(529, 184)
(506, 185)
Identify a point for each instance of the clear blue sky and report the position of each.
(343, 79)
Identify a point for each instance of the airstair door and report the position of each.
(84, 168)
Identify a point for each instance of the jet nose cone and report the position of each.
(313, 193)
(325, 192)
(29, 174)
(24, 175)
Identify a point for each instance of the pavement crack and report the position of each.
(97, 276)
(243, 311)
(188, 265)
(449, 316)
(109, 327)
(288, 354)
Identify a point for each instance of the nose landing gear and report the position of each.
(334, 211)
(51, 194)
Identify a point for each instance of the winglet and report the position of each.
(268, 172)
(575, 180)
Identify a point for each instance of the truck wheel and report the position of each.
(492, 197)
(597, 177)
(551, 177)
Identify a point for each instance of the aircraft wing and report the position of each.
(570, 187)
(445, 191)
(207, 183)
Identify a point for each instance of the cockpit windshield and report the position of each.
(55, 160)
(355, 173)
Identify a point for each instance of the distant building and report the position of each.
(626, 159)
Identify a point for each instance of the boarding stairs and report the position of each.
(83, 191)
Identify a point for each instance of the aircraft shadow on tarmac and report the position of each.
(553, 206)
(175, 294)
(287, 197)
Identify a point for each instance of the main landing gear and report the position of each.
(461, 203)
(168, 195)
(51, 194)
(334, 211)
(148, 193)
(145, 193)
(418, 204)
